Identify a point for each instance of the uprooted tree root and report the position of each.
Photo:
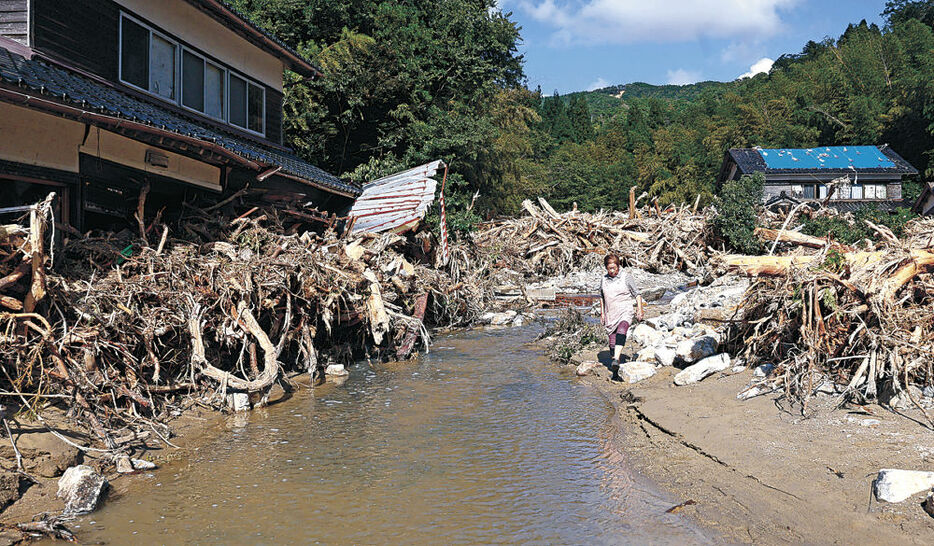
(120, 333)
(860, 319)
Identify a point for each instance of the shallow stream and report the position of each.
(481, 441)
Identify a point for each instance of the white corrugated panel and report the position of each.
(397, 200)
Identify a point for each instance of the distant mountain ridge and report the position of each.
(608, 99)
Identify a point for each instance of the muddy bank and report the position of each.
(759, 473)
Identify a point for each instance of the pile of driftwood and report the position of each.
(122, 331)
(860, 323)
(546, 243)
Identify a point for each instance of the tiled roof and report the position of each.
(38, 78)
(827, 160)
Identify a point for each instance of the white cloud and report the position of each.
(683, 77)
(600, 83)
(762, 65)
(630, 21)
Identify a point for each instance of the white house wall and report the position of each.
(32, 138)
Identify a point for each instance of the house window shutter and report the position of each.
(237, 103)
(192, 81)
(134, 54)
(162, 80)
(214, 91)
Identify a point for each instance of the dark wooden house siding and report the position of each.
(81, 32)
(273, 115)
(14, 20)
(86, 34)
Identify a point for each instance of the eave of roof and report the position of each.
(35, 84)
(224, 13)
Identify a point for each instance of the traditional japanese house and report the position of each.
(846, 177)
(99, 98)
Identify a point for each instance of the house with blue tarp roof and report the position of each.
(844, 177)
(102, 98)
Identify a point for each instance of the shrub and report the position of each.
(735, 222)
(852, 229)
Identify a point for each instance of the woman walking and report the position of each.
(620, 304)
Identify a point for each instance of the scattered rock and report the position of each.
(586, 368)
(871, 423)
(9, 488)
(518, 321)
(645, 335)
(633, 372)
(123, 464)
(929, 391)
(498, 319)
(752, 392)
(928, 504)
(894, 485)
(763, 370)
(646, 355)
(704, 368)
(126, 465)
(693, 350)
(738, 369)
(81, 487)
(665, 356)
(337, 370)
(238, 401)
(140, 464)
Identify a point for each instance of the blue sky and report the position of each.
(575, 45)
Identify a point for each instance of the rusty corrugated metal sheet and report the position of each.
(397, 201)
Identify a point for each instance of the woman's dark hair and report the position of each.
(611, 258)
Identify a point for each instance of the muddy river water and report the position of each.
(481, 441)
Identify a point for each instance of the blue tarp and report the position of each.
(832, 157)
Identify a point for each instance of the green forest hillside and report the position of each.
(407, 82)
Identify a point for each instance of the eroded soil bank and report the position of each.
(759, 472)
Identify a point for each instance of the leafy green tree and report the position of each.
(579, 117)
(735, 222)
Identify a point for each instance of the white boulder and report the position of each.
(894, 485)
(693, 350)
(707, 366)
(633, 372)
(586, 367)
(498, 319)
(336, 370)
(645, 335)
(665, 356)
(81, 487)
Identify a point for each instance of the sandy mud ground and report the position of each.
(759, 472)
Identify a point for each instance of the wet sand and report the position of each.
(759, 472)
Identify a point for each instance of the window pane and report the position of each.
(162, 67)
(134, 54)
(822, 192)
(237, 103)
(809, 192)
(192, 81)
(213, 91)
(856, 192)
(256, 108)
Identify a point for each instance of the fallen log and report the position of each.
(780, 265)
(792, 237)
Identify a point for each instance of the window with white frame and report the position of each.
(158, 65)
